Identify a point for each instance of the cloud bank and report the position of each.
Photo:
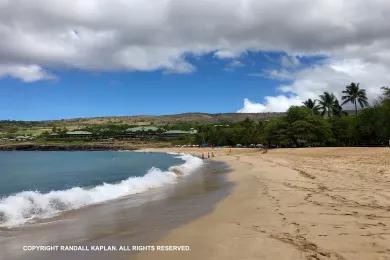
(145, 35)
(331, 76)
(272, 104)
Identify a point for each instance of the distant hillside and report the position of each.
(37, 127)
(169, 119)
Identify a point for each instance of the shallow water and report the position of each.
(46, 171)
(138, 219)
(66, 181)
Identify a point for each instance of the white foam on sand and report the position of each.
(26, 206)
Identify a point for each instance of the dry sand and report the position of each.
(315, 203)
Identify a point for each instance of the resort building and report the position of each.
(79, 134)
(178, 133)
(143, 131)
(23, 138)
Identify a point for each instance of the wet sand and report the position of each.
(314, 203)
(139, 219)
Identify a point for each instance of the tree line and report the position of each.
(318, 122)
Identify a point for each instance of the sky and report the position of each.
(83, 58)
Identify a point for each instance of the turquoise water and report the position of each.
(38, 185)
(47, 171)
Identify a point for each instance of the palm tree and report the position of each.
(327, 103)
(311, 104)
(355, 95)
(337, 110)
(386, 92)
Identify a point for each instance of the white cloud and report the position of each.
(332, 75)
(26, 73)
(227, 54)
(272, 104)
(147, 35)
(335, 74)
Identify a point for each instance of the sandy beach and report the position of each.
(313, 203)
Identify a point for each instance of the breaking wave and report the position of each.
(26, 206)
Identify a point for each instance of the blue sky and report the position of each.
(216, 85)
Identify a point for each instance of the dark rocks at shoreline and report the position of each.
(62, 147)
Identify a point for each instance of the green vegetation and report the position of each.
(322, 124)
(329, 105)
(312, 105)
(318, 122)
(355, 95)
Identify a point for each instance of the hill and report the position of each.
(169, 119)
(35, 128)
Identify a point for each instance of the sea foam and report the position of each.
(26, 206)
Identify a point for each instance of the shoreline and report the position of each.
(67, 147)
(130, 146)
(80, 145)
(135, 219)
(300, 203)
(313, 203)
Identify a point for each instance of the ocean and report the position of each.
(36, 185)
(100, 199)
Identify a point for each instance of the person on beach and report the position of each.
(202, 156)
(208, 155)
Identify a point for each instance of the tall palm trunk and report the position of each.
(355, 109)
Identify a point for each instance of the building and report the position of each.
(143, 131)
(78, 134)
(23, 138)
(178, 133)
